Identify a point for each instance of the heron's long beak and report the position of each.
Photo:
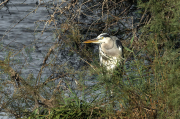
(92, 41)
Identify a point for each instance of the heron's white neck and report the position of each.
(108, 44)
(109, 48)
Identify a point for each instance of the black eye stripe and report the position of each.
(105, 35)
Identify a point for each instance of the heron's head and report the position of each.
(102, 38)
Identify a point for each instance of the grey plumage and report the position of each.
(110, 50)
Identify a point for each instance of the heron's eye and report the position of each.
(102, 37)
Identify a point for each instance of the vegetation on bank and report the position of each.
(149, 84)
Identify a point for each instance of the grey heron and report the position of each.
(110, 50)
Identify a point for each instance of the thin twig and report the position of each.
(88, 63)
(4, 2)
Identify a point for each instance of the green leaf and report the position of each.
(128, 49)
(132, 40)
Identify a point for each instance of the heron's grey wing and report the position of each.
(119, 45)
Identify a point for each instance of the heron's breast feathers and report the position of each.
(108, 61)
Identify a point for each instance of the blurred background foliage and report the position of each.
(149, 84)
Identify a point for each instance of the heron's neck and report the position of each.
(109, 49)
(108, 45)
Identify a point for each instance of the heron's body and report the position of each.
(110, 50)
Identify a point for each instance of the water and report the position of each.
(20, 36)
